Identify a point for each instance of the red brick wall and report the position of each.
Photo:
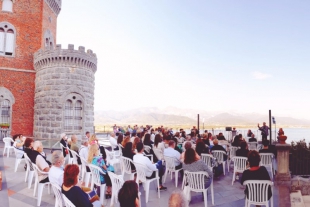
(21, 85)
(27, 20)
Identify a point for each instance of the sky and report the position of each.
(241, 56)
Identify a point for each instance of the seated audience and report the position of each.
(147, 140)
(253, 139)
(73, 192)
(219, 147)
(125, 140)
(113, 141)
(159, 147)
(28, 147)
(249, 134)
(83, 152)
(19, 145)
(38, 159)
(255, 172)
(95, 159)
(56, 172)
(176, 145)
(237, 140)
(171, 152)
(201, 148)
(74, 145)
(205, 139)
(93, 140)
(120, 138)
(265, 148)
(87, 135)
(129, 153)
(177, 199)
(134, 144)
(64, 143)
(187, 145)
(243, 151)
(128, 195)
(221, 136)
(151, 168)
(192, 164)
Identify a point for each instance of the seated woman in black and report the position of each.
(147, 140)
(127, 152)
(255, 172)
(243, 152)
(236, 142)
(74, 193)
(176, 145)
(205, 139)
(128, 194)
(201, 148)
(64, 143)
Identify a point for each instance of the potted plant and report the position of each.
(5, 125)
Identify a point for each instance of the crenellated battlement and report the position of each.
(55, 5)
(65, 57)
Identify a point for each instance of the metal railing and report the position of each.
(5, 133)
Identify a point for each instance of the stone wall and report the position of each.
(59, 73)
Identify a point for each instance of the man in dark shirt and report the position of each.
(221, 136)
(252, 139)
(265, 147)
(219, 147)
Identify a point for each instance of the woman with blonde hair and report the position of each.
(93, 140)
(95, 159)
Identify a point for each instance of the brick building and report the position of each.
(44, 90)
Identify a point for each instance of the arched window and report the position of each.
(7, 39)
(73, 114)
(7, 5)
(5, 108)
(48, 39)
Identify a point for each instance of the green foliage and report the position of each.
(300, 158)
(4, 125)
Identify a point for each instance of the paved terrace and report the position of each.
(15, 192)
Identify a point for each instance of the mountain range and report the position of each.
(188, 117)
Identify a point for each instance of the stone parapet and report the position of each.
(65, 57)
(55, 5)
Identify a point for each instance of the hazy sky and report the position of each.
(245, 56)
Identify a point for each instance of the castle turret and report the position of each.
(64, 91)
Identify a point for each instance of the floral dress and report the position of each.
(99, 161)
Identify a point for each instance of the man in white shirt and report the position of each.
(151, 168)
(171, 152)
(83, 152)
(113, 141)
(40, 161)
(56, 173)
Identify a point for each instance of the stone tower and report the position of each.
(64, 91)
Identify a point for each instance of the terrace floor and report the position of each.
(15, 192)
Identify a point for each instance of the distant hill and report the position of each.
(175, 116)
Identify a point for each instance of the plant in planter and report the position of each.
(5, 125)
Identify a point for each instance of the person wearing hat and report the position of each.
(63, 141)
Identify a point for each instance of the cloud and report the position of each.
(260, 76)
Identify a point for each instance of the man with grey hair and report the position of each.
(84, 149)
(38, 159)
(113, 141)
(177, 199)
(56, 173)
(74, 145)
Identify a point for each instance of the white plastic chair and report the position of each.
(7, 146)
(111, 159)
(207, 158)
(170, 168)
(38, 185)
(252, 146)
(120, 149)
(219, 155)
(126, 167)
(266, 160)
(158, 153)
(68, 158)
(141, 176)
(29, 171)
(96, 171)
(240, 165)
(85, 175)
(258, 192)
(74, 157)
(58, 195)
(67, 202)
(116, 152)
(18, 157)
(196, 182)
(147, 149)
(232, 154)
(117, 183)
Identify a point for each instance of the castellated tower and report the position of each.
(64, 91)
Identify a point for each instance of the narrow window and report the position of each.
(9, 45)
(7, 5)
(68, 125)
(78, 116)
(5, 112)
(2, 34)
